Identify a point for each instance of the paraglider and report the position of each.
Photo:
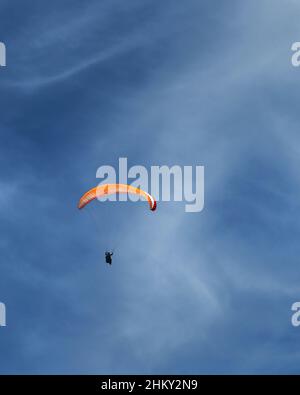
(110, 189)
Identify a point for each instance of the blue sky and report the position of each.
(190, 83)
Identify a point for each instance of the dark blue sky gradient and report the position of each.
(162, 83)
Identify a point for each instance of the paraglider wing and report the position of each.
(110, 189)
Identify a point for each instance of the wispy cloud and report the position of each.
(161, 84)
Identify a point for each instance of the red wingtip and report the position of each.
(154, 206)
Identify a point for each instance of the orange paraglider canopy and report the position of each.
(110, 189)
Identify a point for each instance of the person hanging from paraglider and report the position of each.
(108, 257)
